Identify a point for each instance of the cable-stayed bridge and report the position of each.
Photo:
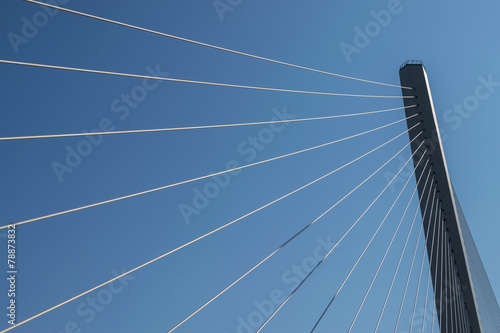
(396, 257)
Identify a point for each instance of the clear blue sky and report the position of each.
(62, 256)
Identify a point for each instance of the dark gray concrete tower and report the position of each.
(464, 299)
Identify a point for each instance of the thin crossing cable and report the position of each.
(466, 315)
(453, 318)
(446, 271)
(437, 265)
(448, 290)
(434, 237)
(402, 252)
(194, 240)
(424, 251)
(413, 257)
(456, 304)
(197, 178)
(461, 307)
(460, 315)
(465, 312)
(393, 237)
(289, 240)
(467, 320)
(367, 246)
(441, 274)
(216, 84)
(438, 252)
(444, 280)
(455, 294)
(209, 45)
(452, 290)
(462, 304)
(169, 129)
(458, 318)
(333, 247)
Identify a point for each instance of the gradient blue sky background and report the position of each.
(60, 257)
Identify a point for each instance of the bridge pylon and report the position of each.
(464, 299)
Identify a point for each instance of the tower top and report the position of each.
(411, 62)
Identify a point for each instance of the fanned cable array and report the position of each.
(402, 260)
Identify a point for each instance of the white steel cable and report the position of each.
(453, 319)
(441, 274)
(393, 237)
(437, 266)
(402, 253)
(446, 271)
(461, 303)
(216, 84)
(193, 241)
(208, 45)
(455, 294)
(194, 179)
(168, 129)
(413, 257)
(436, 225)
(424, 251)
